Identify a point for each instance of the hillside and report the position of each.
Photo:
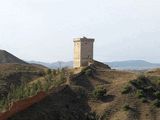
(6, 57)
(16, 74)
(122, 100)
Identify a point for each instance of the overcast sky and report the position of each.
(43, 30)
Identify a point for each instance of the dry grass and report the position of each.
(116, 81)
(111, 106)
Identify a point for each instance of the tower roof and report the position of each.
(84, 39)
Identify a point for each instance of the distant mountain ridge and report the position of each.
(6, 57)
(125, 65)
(133, 64)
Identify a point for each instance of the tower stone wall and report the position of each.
(83, 51)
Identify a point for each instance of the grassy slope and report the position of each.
(16, 74)
(67, 104)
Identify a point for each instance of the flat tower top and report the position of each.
(84, 39)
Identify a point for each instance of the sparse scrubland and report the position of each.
(96, 93)
(49, 80)
(12, 75)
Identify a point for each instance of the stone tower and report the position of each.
(83, 51)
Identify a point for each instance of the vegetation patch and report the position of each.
(88, 71)
(27, 90)
(126, 107)
(147, 89)
(106, 115)
(99, 92)
(92, 116)
(144, 100)
(126, 89)
(157, 94)
(156, 103)
(16, 75)
(140, 94)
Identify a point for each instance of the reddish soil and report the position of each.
(22, 105)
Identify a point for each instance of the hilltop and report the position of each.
(6, 57)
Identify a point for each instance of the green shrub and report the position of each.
(142, 77)
(144, 100)
(140, 82)
(157, 94)
(35, 89)
(49, 71)
(88, 72)
(99, 92)
(126, 89)
(140, 94)
(149, 88)
(46, 86)
(62, 76)
(92, 116)
(158, 81)
(54, 72)
(156, 103)
(126, 107)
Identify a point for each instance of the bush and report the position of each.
(140, 94)
(156, 103)
(92, 116)
(126, 89)
(88, 72)
(62, 76)
(140, 82)
(54, 72)
(157, 94)
(126, 107)
(49, 71)
(47, 86)
(142, 77)
(144, 100)
(149, 88)
(99, 92)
